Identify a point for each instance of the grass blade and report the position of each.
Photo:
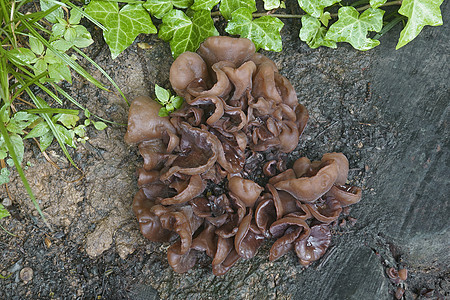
(52, 111)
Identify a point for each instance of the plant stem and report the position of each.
(288, 16)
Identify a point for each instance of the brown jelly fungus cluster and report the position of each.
(194, 187)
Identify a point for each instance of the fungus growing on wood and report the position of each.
(198, 188)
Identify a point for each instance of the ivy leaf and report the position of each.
(324, 18)
(271, 4)
(315, 7)
(184, 33)
(227, 7)
(158, 8)
(123, 26)
(52, 17)
(377, 3)
(419, 13)
(204, 4)
(353, 28)
(264, 32)
(313, 33)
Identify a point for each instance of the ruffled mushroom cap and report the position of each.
(346, 194)
(149, 223)
(144, 123)
(247, 240)
(224, 48)
(312, 248)
(187, 69)
(206, 240)
(247, 190)
(198, 152)
(326, 210)
(265, 214)
(287, 230)
(179, 261)
(342, 164)
(195, 187)
(308, 189)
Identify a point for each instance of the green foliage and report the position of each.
(353, 28)
(186, 33)
(419, 13)
(313, 33)
(158, 8)
(315, 7)
(263, 31)
(228, 7)
(169, 103)
(204, 4)
(122, 25)
(377, 3)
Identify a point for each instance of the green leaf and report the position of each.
(264, 32)
(51, 58)
(353, 28)
(377, 3)
(123, 26)
(40, 66)
(99, 125)
(170, 107)
(58, 30)
(271, 4)
(36, 46)
(184, 33)
(163, 112)
(23, 54)
(204, 4)
(158, 8)
(313, 33)
(162, 94)
(70, 34)
(38, 131)
(315, 7)
(61, 45)
(3, 154)
(17, 144)
(20, 121)
(75, 17)
(83, 37)
(59, 72)
(80, 130)
(68, 120)
(324, 18)
(52, 17)
(46, 140)
(67, 135)
(3, 175)
(177, 101)
(420, 13)
(227, 7)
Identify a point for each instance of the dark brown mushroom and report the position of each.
(314, 246)
(287, 230)
(247, 190)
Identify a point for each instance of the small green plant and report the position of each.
(167, 100)
(3, 214)
(37, 53)
(187, 23)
